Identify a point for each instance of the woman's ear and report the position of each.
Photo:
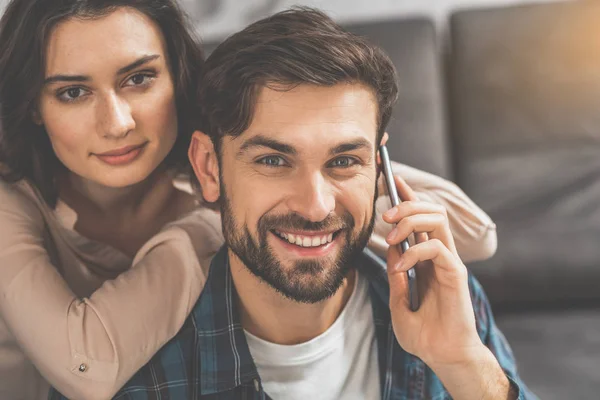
(204, 162)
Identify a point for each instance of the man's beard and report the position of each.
(307, 281)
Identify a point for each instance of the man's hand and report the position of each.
(442, 332)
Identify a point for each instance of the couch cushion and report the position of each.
(557, 353)
(525, 101)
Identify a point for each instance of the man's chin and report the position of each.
(308, 289)
(305, 281)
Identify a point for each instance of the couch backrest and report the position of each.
(418, 128)
(525, 112)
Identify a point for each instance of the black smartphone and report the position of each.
(413, 294)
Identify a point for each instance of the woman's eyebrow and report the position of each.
(84, 78)
(137, 63)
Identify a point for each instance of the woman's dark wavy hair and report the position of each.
(25, 148)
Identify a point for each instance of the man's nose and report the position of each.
(312, 197)
(115, 117)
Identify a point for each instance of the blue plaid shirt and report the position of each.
(209, 358)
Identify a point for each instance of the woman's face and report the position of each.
(108, 102)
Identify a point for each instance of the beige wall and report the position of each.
(218, 18)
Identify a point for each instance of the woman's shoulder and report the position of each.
(19, 198)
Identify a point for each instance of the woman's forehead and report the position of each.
(77, 45)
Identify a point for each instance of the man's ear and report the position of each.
(384, 140)
(204, 162)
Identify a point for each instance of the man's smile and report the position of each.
(307, 239)
(307, 244)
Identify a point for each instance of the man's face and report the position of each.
(298, 187)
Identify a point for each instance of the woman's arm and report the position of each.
(88, 348)
(473, 230)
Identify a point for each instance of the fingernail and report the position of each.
(391, 212)
(392, 235)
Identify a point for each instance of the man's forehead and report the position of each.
(308, 115)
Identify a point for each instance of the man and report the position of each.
(293, 307)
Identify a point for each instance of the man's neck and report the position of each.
(269, 315)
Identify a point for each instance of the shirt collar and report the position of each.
(224, 355)
(225, 358)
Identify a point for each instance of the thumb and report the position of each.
(399, 303)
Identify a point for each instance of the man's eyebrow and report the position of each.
(262, 141)
(357, 144)
(84, 78)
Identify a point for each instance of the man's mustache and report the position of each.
(294, 221)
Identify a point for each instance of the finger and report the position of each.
(399, 299)
(408, 208)
(394, 254)
(421, 237)
(443, 260)
(411, 208)
(435, 225)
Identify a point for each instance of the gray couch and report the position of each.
(507, 105)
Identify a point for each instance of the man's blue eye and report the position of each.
(272, 161)
(343, 162)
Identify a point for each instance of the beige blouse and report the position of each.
(84, 317)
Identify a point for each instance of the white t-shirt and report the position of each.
(341, 363)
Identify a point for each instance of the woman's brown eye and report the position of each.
(138, 79)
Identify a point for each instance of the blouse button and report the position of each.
(82, 368)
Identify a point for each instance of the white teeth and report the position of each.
(306, 241)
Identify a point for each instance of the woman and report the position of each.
(102, 256)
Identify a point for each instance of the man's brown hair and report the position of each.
(290, 48)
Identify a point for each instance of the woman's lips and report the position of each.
(122, 156)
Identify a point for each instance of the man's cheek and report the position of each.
(359, 202)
